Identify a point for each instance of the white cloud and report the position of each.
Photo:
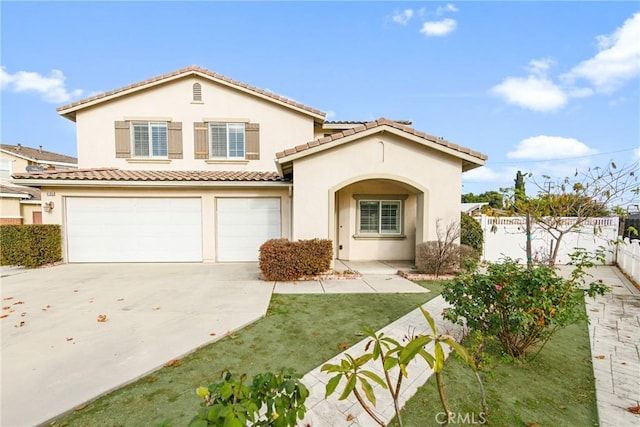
(534, 92)
(636, 152)
(441, 10)
(330, 114)
(5, 78)
(539, 67)
(51, 88)
(403, 17)
(579, 92)
(439, 28)
(617, 61)
(483, 174)
(543, 147)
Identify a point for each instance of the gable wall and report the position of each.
(17, 164)
(280, 127)
(377, 156)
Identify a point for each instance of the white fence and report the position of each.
(506, 237)
(629, 258)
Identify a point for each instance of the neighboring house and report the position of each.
(193, 166)
(19, 204)
(473, 209)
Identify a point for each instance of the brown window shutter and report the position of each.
(175, 140)
(201, 140)
(252, 141)
(123, 140)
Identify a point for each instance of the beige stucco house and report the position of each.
(20, 204)
(193, 166)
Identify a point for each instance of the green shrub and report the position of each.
(468, 255)
(521, 308)
(471, 232)
(30, 245)
(270, 400)
(283, 260)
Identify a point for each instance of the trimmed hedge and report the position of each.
(30, 245)
(283, 260)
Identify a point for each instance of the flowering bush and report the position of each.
(270, 400)
(521, 308)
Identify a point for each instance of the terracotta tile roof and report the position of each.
(38, 154)
(192, 70)
(377, 123)
(33, 193)
(358, 122)
(113, 174)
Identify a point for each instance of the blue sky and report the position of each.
(542, 87)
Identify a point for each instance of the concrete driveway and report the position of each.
(58, 351)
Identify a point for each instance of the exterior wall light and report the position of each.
(47, 207)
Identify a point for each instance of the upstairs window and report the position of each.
(149, 139)
(5, 169)
(380, 216)
(227, 140)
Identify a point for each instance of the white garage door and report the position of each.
(245, 224)
(134, 229)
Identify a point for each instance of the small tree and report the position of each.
(519, 190)
(394, 359)
(581, 197)
(494, 198)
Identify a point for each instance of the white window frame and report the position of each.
(5, 165)
(150, 126)
(380, 232)
(228, 128)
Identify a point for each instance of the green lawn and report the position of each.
(555, 389)
(303, 331)
(299, 332)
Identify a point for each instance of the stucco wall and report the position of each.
(351, 246)
(17, 164)
(280, 127)
(208, 195)
(27, 211)
(435, 176)
(10, 207)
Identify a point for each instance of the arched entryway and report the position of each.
(377, 218)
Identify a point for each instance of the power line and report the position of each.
(561, 158)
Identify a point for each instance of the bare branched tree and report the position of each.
(567, 205)
(442, 255)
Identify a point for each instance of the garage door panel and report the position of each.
(134, 229)
(243, 224)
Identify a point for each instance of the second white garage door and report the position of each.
(243, 225)
(119, 229)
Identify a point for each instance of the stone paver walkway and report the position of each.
(334, 413)
(377, 277)
(615, 345)
(614, 330)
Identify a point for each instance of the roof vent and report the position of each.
(35, 168)
(197, 92)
